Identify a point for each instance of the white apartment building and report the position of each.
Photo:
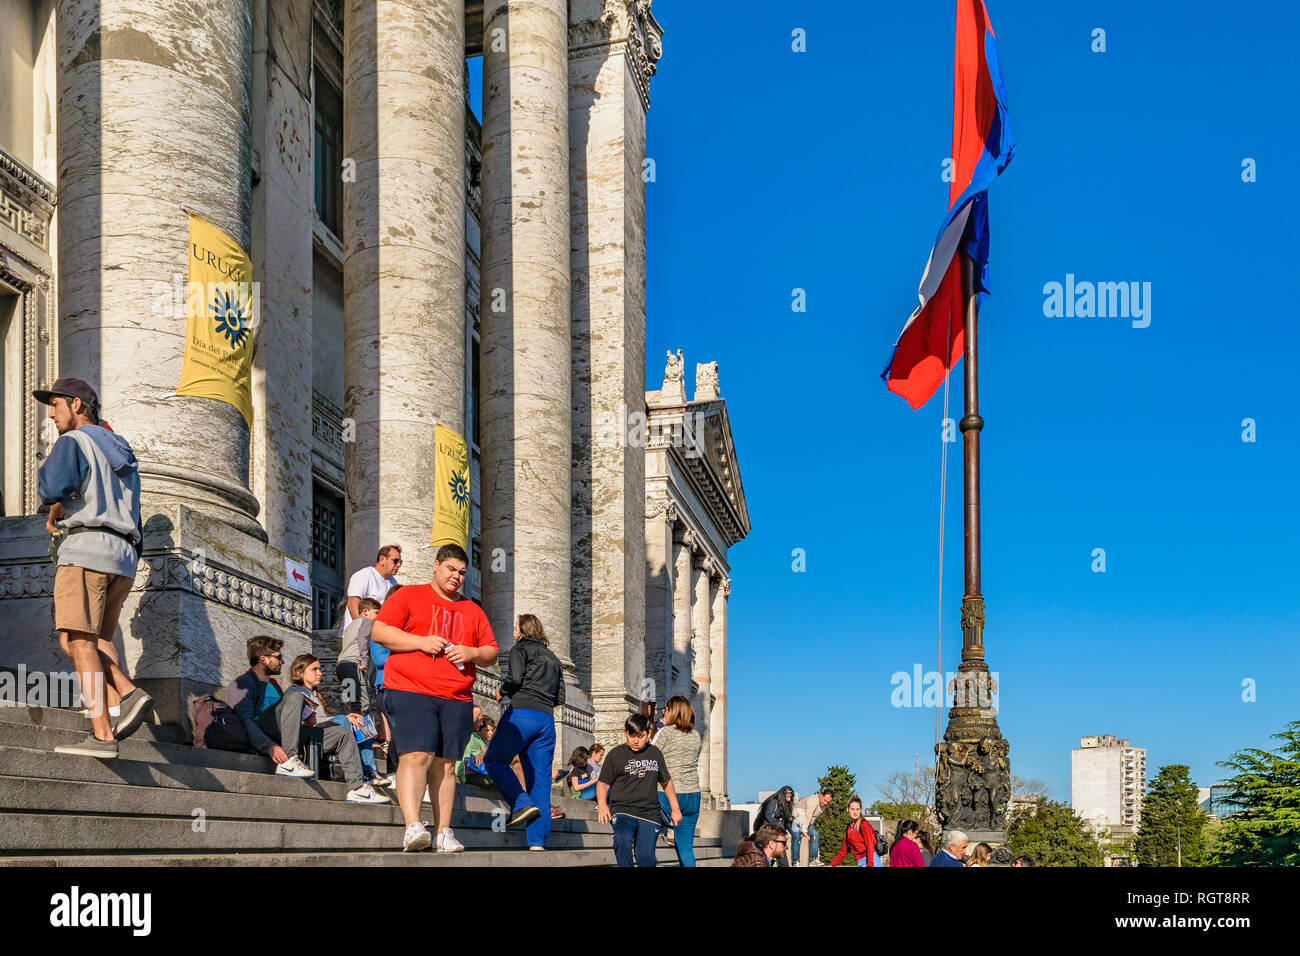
(1107, 780)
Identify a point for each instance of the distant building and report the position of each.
(1107, 780)
(1217, 801)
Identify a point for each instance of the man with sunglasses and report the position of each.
(256, 699)
(372, 582)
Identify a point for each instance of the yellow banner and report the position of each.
(451, 489)
(220, 319)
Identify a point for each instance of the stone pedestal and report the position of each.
(201, 590)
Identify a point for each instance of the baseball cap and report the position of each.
(68, 388)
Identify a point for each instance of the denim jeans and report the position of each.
(634, 840)
(530, 735)
(684, 832)
(796, 840)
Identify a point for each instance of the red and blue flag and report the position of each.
(933, 338)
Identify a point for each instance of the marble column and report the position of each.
(680, 655)
(403, 267)
(153, 118)
(702, 673)
(613, 45)
(283, 212)
(718, 712)
(660, 516)
(525, 351)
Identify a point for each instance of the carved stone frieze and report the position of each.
(177, 571)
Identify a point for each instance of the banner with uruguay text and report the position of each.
(451, 489)
(220, 317)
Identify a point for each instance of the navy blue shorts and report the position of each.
(424, 724)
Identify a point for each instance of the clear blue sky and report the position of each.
(821, 171)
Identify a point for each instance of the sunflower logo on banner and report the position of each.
(220, 318)
(451, 489)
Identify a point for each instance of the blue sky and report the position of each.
(820, 170)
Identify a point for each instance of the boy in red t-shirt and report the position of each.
(437, 637)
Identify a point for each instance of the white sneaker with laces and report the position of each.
(367, 794)
(447, 842)
(416, 838)
(293, 767)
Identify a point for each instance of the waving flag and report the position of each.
(931, 342)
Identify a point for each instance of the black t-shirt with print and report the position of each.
(634, 777)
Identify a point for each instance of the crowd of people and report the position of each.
(417, 648)
(781, 821)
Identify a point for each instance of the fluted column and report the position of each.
(152, 116)
(718, 713)
(525, 358)
(701, 621)
(680, 656)
(404, 264)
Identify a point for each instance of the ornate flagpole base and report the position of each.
(972, 772)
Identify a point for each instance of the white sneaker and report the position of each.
(384, 780)
(367, 794)
(293, 767)
(416, 838)
(447, 842)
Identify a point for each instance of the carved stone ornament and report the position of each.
(706, 381)
(972, 784)
(674, 368)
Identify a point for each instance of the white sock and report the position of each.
(115, 711)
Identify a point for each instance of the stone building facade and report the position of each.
(415, 265)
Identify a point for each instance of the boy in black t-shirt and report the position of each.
(627, 794)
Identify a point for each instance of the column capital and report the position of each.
(596, 26)
(707, 565)
(660, 504)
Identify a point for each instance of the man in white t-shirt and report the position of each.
(372, 582)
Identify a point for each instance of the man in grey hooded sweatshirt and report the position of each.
(91, 482)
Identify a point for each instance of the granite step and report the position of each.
(489, 858)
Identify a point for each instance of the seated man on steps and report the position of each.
(272, 718)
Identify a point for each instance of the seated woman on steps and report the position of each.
(305, 677)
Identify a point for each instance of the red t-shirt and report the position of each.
(420, 609)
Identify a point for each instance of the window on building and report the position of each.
(326, 557)
(329, 155)
(474, 391)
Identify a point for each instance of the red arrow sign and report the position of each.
(297, 576)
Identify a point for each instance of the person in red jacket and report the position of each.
(906, 850)
(859, 837)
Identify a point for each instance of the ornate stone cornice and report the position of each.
(26, 201)
(625, 23)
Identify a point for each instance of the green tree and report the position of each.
(830, 825)
(1171, 817)
(1266, 831)
(1053, 836)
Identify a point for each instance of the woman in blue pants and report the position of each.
(534, 682)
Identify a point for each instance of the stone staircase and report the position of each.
(166, 803)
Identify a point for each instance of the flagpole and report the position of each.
(973, 600)
(973, 773)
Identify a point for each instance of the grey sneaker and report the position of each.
(92, 746)
(135, 708)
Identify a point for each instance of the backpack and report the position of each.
(217, 726)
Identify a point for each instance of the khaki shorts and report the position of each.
(88, 602)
